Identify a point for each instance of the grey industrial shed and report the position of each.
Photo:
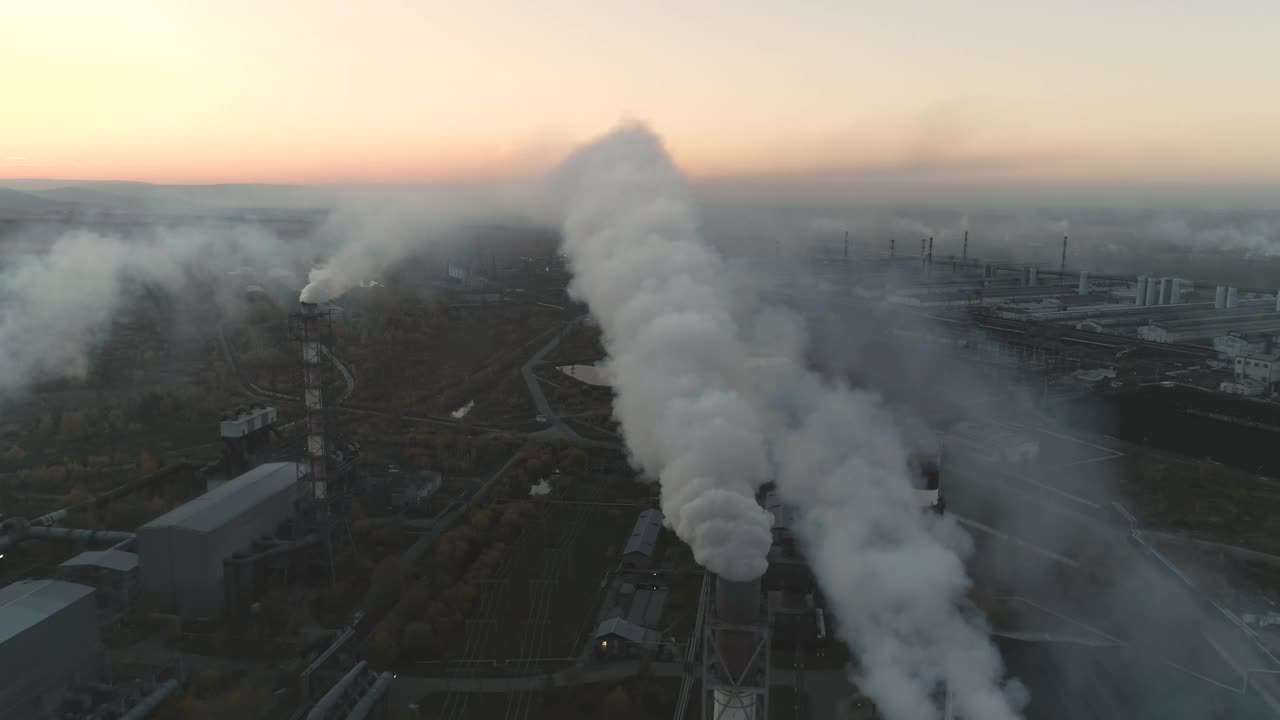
(112, 573)
(181, 552)
(638, 551)
(48, 641)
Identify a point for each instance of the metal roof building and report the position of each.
(644, 538)
(617, 636)
(181, 552)
(114, 560)
(48, 641)
(113, 573)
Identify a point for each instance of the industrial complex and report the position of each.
(432, 583)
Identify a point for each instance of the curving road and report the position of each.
(559, 430)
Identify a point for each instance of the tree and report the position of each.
(73, 424)
(617, 705)
(146, 463)
(418, 639)
(384, 586)
(385, 651)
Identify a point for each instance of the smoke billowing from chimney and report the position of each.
(893, 573)
(699, 413)
(372, 231)
(631, 235)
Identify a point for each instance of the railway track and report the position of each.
(537, 626)
(693, 674)
(480, 626)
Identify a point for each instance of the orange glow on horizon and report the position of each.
(198, 91)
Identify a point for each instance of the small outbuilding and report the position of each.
(618, 638)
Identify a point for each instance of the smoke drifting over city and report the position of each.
(57, 304)
(694, 412)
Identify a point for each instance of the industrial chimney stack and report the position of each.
(736, 653)
(313, 399)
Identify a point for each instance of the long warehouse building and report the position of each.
(48, 643)
(181, 552)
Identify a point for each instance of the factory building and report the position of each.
(1261, 368)
(647, 604)
(617, 638)
(1204, 329)
(113, 574)
(1235, 345)
(638, 554)
(48, 644)
(182, 552)
(246, 436)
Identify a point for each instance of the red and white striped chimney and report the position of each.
(313, 399)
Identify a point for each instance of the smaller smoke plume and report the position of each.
(57, 302)
(375, 229)
(631, 235)
(894, 574)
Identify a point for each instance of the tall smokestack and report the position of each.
(1220, 297)
(923, 242)
(892, 247)
(964, 251)
(313, 399)
(1062, 266)
(1083, 287)
(737, 603)
(846, 246)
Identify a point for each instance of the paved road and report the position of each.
(558, 429)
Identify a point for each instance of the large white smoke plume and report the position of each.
(631, 235)
(700, 416)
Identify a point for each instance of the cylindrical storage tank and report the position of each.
(1033, 276)
(1083, 287)
(1220, 297)
(737, 603)
(1233, 297)
(1153, 292)
(1140, 294)
(1278, 301)
(1175, 291)
(1163, 298)
(989, 270)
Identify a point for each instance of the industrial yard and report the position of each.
(414, 502)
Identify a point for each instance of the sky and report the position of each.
(412, 90)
